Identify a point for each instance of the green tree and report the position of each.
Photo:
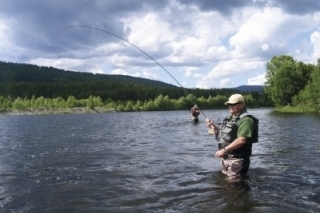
(139, 105)
(285, 79)
(5, 103)
(309, 98)
(129, 106)
(71, 102)
(217, 101)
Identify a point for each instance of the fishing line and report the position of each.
(95, 28)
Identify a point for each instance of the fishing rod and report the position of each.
(98, 29)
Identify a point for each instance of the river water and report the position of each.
(153, 162)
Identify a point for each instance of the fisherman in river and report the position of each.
(195, 112)
(235, 136)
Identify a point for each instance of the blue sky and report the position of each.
(201, 43)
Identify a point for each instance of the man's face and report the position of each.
(234, 109)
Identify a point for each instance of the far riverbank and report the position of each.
(44, 111)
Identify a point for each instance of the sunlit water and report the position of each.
(153, 162)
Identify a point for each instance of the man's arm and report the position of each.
(237, 143)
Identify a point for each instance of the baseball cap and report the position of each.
(235, 98)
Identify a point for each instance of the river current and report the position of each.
(154, 162)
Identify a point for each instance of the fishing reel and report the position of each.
(211, 129)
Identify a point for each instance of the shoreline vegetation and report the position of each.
(94, 104)
(296, 109)
(44, 106)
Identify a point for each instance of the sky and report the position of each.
(188, 43)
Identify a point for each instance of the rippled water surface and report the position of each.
(153, 162)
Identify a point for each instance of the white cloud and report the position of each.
(187, 74)
(119, 60)
(226, 82)
(62, 63)
(206, 83)
(264, 47)
(144, 74)
(137, 74)
(197, 75)
(315, 41)
(217, 83)
(188, 71)
(149, 31)
(257, 80)
(233, 66)
(150, 75)
(257, 27)
(216, 53)
(191, 69)
(3, 30)
(184, 83)
(119, 72)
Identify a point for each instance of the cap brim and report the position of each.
(227, 103)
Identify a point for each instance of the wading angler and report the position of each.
(235, 136)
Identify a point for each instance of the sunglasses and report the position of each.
(234, 104)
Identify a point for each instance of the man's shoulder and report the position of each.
(246, 120)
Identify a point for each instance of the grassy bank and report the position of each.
(296, 109)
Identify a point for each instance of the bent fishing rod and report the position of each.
(104, 31)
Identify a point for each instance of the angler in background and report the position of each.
(195, 112)
(235, 136)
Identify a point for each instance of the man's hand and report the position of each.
(212, 127)
(209, 123)
(220, 153)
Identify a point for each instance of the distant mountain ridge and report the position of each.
(249, 88)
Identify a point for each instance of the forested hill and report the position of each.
(28, 73)
(31, 81)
